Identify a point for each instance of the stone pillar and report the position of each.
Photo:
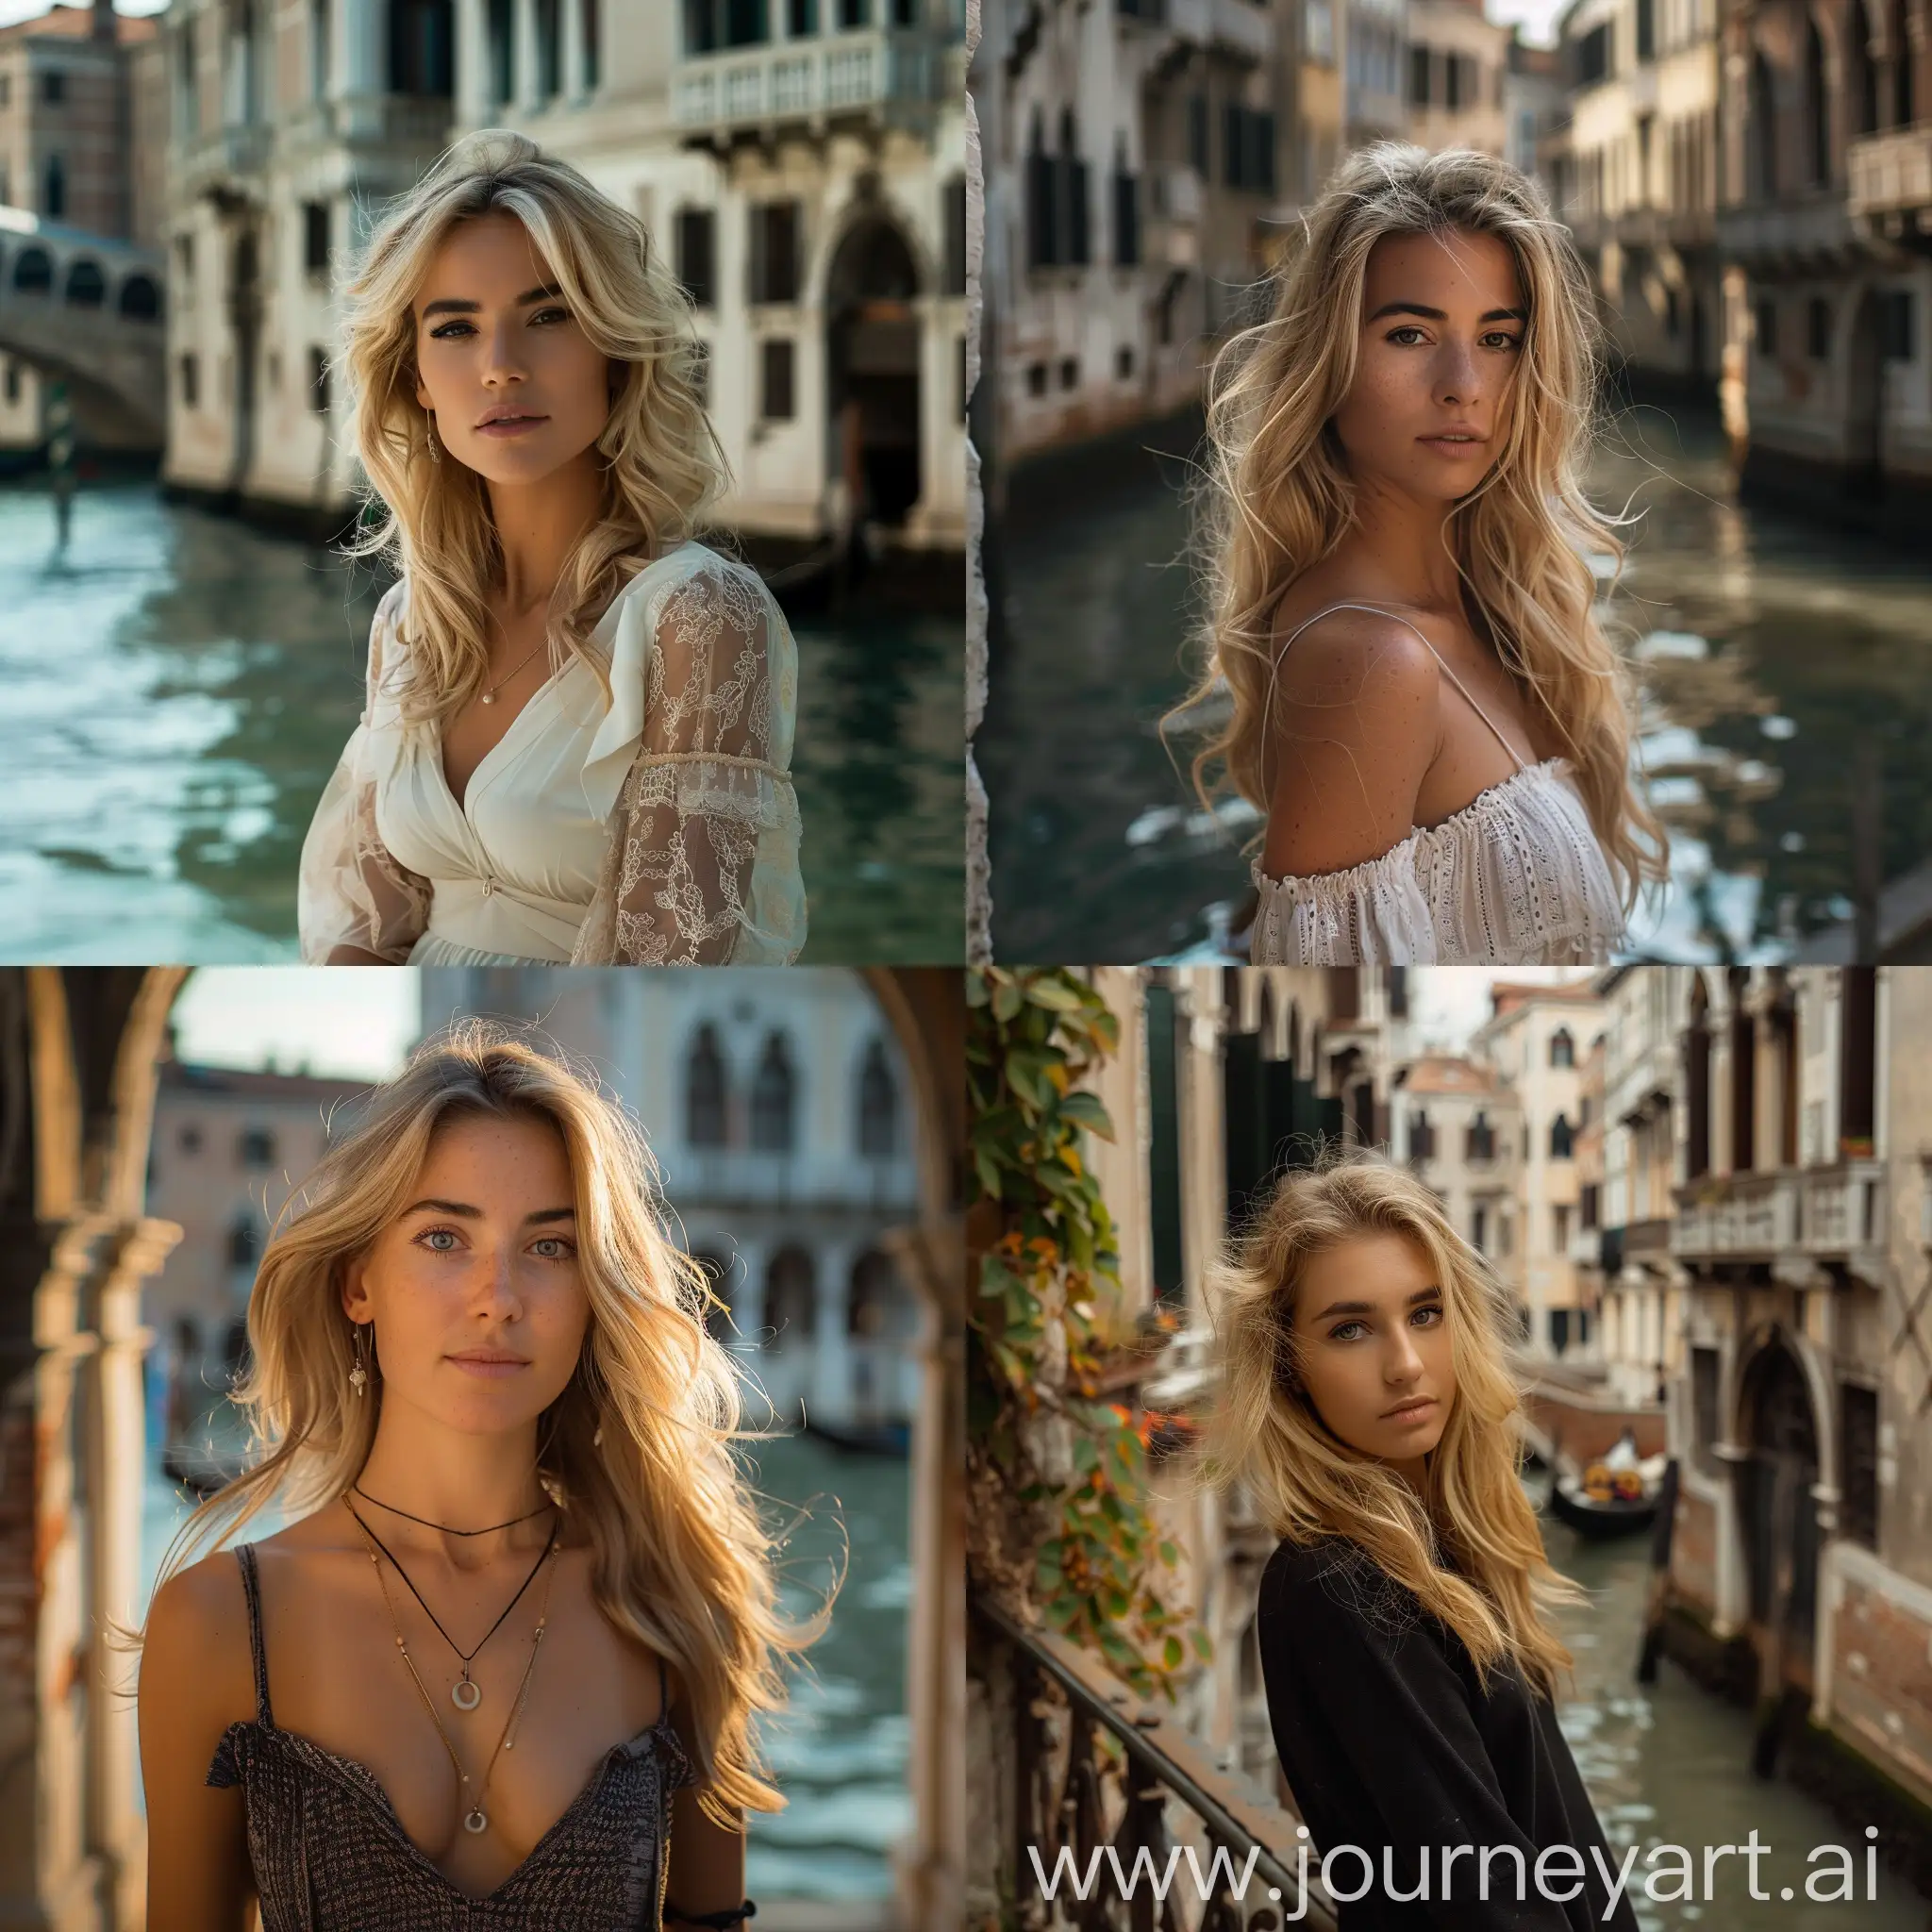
(474, 105)
(524, 86)
(575, 64)
(359, 78)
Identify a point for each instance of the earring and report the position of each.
(435, 453)
(597, 1441)
(359, 1376)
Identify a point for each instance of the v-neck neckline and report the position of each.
(509, 730)
(361, 1779)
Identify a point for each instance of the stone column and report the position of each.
(117, 1449)
(473, 106)
(574, 64)
(524, 85)
(357, 82)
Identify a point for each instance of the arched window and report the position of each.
(791, 1305)
(257, 1147)
(771, 1099)
(1422, 1137)
(878, 1106)
(33, 271)
(1817, 108)
(1481, 1142)
(877, 1306)
(704, 1090)
(1562, 1136)
(139, 299)
(1697, 1083)
(1562, 1048)
(1763, 130)
(244, 1243)
(1901, 47)
(87, 288)
(1862, 71)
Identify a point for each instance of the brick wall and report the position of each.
(1584, 1432)
(1693, 1552)
(1881, 1688)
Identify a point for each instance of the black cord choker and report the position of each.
(444, 1527)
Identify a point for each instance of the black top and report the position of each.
(330, 1855)
(1388, 1743)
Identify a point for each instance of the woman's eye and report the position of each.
(560, 1249)
(1342, 1332)
(1408, 329)
(548, 314)
(444, 332)
(1502, 339)
(433, 1238)
(1426, 1318)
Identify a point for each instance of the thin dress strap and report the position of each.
(1436, 655)
(251, 1586)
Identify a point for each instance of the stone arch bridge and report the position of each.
(87, 309)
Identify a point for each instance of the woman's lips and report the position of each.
(515, 427)
(1418, 1411)
(479, 1368)
(1453, 446)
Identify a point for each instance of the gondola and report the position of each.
(1601, 1501)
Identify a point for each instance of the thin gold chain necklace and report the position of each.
(475, 1819)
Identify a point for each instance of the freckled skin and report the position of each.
(1370, 1332)
(1368, 738)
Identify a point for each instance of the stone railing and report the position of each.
(1826, 1213)
(1889, 174)
(1088, 1768)
(807, 81)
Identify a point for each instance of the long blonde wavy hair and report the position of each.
(1307, 1484)
(1277, 495)
(679, 1558)
(663, 466)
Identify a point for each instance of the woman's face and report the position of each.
(1373, 1340)
(482, 1263)
(494, 335)
(1442, 323)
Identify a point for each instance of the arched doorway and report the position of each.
(871, 361)
(1778, 1518)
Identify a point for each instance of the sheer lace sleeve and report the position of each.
(1376, 913)
(351, 892)
(702, 867)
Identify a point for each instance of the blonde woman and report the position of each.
(1419, 702)
(502, 1669)
(577, 740)
(1366, 1402)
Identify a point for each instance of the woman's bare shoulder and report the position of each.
(196, 1652)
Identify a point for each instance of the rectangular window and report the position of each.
(1818, 328)
(315, 236)
(801, 19)
(776, 363)
(956, 234)
(53, 89)
(775, 227)
(1197, 134)
(1126, 220)
(1703, 1405)
(1479, 1229)
(1858, 1516)
(318, 381)
(1593, 55)
(593, 47)
(503, 51)
(1559, 1227)
(1898, 326)
(13, 382)
(1418, 76)
(1590, 1206)
(1767, 327)
(190, 383)
(711, 26)
(1453, 96)
(695, 233)
(1163, 1146)
(1646, 29)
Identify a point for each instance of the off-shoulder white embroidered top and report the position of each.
(1517, 878)
(659, 828)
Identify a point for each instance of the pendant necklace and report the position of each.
(476, 1818)
(465, 1694)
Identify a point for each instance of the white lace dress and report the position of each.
(660, 828)
(1517, 878)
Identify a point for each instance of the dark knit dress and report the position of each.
(330, 1855)
(1390, 1743)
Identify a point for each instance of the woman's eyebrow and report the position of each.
(464, 1210)
(1442, 314)
(1420, 1296)
(454, 305)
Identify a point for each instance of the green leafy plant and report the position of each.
(1045, 1320)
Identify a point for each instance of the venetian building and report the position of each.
(1635, 177)
(1457, 1125)
(288, 126)
(1134, 154)
(1459, 63)
(801, 165)
(1802, 1561)
(776, 1107)
(1823, 209)
(1537, 1038)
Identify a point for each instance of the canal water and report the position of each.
(1668, 1763)
(838, 1750)
(1778, 660)
(179, 686)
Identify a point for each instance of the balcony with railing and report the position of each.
(1238, 28)
(231, 156)
(1829, 1214)
(1889, 174)
(864, 74)
(1083, 1767)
